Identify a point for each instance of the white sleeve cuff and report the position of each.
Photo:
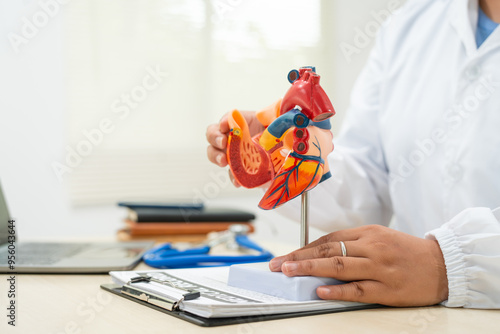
(470, 246)
(455, 265)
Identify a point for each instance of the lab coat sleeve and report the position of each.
(357, 193)
(470, 243)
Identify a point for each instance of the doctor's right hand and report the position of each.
(217, 135)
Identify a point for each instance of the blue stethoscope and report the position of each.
(167, 256)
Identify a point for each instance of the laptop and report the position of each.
(60, 257)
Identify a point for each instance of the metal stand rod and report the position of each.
(304, 220)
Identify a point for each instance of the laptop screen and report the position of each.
(4, 218)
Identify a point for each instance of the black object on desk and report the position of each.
(157, 215)
(162, 205)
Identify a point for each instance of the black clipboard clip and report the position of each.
(168, 303)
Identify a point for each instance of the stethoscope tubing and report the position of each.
(164, 256)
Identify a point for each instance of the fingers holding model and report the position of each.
(382, 266)
(217, 137)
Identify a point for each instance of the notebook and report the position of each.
(62, 257)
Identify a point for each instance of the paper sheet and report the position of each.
(217, 298)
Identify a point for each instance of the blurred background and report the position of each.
(109, 100)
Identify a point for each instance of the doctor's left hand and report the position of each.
(382, 266)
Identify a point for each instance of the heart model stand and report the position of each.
(257, 276)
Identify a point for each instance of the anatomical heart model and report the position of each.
(291, 152)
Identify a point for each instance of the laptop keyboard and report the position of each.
(42, 253)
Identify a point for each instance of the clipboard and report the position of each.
(168, 306)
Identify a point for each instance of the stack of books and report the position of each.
(179, 221)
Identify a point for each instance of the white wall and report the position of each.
(34, 117)
(31, 121)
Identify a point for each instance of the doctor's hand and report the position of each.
(382, 266)
(217, 138)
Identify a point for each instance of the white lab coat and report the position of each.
(421, 143)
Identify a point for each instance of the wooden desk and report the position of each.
(75, 304)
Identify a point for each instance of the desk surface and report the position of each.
(75, 304)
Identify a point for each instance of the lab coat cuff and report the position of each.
(455, 265)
